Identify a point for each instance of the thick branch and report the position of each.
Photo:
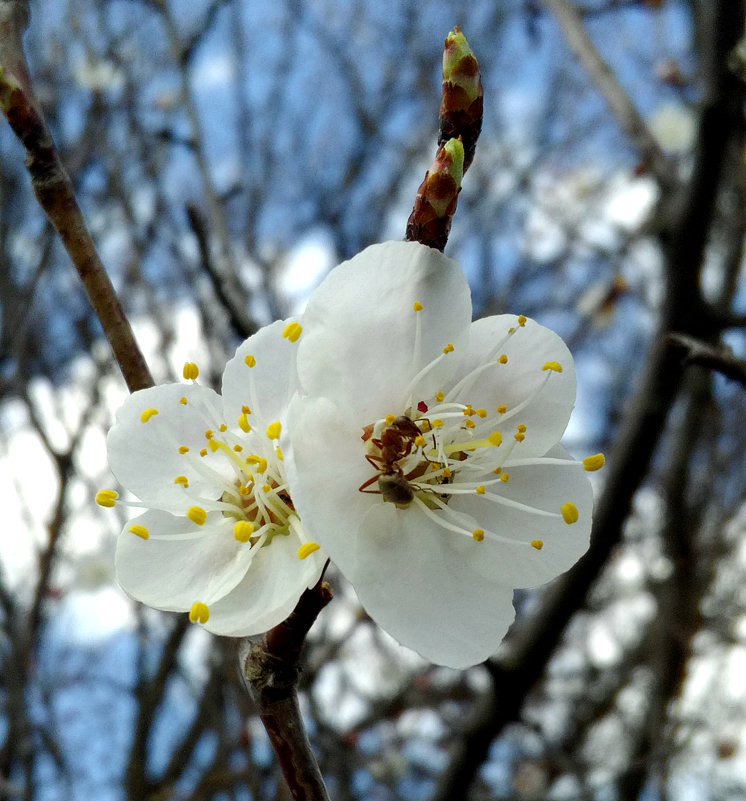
(54, 191)
(270, 672)
(719, 358)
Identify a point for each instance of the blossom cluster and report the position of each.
(383, 430)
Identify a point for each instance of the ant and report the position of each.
(395, 444)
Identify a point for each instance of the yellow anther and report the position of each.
(223, 427)
(497, 471)
(203, 452)
(208, 433)
(183, 400)
(521, 428)
(447, 472)
(437, 423)
(417, 306)
(519, 436)
(503, 358)
(243, 424)
(249, 360)
(199, 613)
(242, 490)
(243, 530)
(261, 465)
(147, 414)
(419, 441)
(505, 477)
(480, 489)
(468, 410)
(521, 320)
(106, 497)
(245, 410)
(439, 396)
(292, 331)
(448, 348)
(307, 549)
(481, 413)
(478, 534)
(213, 446)
(389, 419)
(238, 448)
(569, 513)
(501, 409)
(191, 371)
(538, 544)
(426, 425)
(495, 438)
(595, 462)
(556, 366)
(511, 330)
(139, 531)
(266, 488)
(183, 480)
(469, 424)
(183, 449)
(274, 429)
(278, 452)
(197, 515)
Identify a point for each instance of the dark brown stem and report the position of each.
(270, 671)
(54, 191)
(719, 358)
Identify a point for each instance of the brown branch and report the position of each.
(270, 672)
(719, 358)
(56, 195)
(629, 118)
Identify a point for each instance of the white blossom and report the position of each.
(220, 538)
(423, 450)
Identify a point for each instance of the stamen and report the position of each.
(556, 366)
(243, 423)
(417, 306)
(139, 531)
(569, 513)
(199, 613)
(292, 331)
(191, 371)
(183, 449)
(521, 320)
(197, 515)
(478, 534)
(538, 544)
(307, 549)
(503, 358)
(243, 530)
(183, 400)
(147, 414)
(274, 429)
(182, 480)
(593, 463)
(249, 360)
(106, 497)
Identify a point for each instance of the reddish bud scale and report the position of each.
(430, 220)
(462, 96)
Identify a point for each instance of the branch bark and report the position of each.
(56, 195)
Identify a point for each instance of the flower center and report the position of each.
(441, 446)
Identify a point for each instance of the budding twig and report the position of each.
(54, 191)
(459, 128)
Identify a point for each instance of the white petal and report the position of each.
(269, 590)
(267, 387)
(324, 459)
(528, 350)
(172, 573)
(546, 487)
(412, 584)
(144, 456)
(358, 341)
